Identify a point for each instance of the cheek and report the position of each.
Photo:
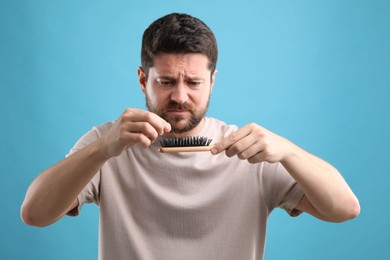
(157, 98)
(202, 98)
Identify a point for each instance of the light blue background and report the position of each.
(316, 72)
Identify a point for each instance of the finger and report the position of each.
(136, 138)
(245, 144)
(143, 128)
(252, 147)
(230, 140)
(259, 157)
(158, 123)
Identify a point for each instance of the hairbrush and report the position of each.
(185, 144)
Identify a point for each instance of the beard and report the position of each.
(179, 124)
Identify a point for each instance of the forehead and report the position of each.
(188, 64)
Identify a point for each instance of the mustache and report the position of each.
(173, 105)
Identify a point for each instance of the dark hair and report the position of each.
(178, 33)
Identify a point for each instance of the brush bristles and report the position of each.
(185, 141)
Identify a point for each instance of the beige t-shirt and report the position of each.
(185, 205)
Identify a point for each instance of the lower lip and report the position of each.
(178, 112)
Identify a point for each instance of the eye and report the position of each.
(165, 82)
(194, 83)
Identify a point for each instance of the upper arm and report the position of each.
(306, 206)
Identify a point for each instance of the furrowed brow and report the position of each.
(194, 78)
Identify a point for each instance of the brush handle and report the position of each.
(185, 149)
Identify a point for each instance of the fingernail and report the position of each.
(168, 128)
(214, 150)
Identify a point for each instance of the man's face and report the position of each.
(178, 89)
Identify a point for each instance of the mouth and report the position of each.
(178, 111)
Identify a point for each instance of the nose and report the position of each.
(179, 93)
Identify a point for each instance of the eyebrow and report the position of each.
(171, 77)
(195, 78)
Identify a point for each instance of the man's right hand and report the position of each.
(54, 192)
(134, 126)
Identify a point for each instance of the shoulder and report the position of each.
(97, 131)
(102, 129)
(91, 136)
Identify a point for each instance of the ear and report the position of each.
(142, 79)
(213, 79)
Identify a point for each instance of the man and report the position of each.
(204, 205)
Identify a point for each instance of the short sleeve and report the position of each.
(279, 188)
(90, 193)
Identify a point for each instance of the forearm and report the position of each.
(327, 195)
(323, 185)
(55, 189)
